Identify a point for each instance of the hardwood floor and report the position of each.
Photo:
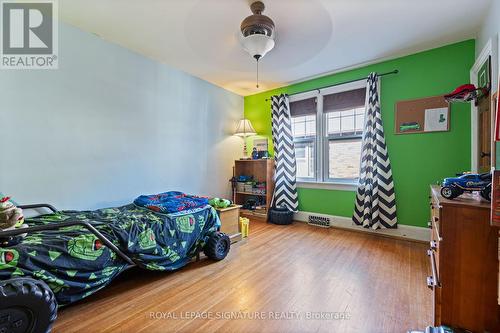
(377, 283)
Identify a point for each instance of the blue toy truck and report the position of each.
(468, 182)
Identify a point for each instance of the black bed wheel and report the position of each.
(26, 306)
(486, 193)
(217, 246)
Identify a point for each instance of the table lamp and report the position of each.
(245, 129)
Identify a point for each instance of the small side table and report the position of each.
(230, 219)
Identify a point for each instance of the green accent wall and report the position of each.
(417, 159)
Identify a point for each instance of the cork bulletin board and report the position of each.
(423, 115)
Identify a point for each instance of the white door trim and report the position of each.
(483, 56)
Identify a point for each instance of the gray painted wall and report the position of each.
(111, 124)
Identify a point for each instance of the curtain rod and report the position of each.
(396, 71)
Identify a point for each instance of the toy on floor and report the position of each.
(11, 217)
(244, 226)
(280, 215)
(219, 203)
(468, 182)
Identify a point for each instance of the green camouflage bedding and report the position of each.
(75, 263)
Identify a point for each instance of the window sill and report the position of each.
(341, 186)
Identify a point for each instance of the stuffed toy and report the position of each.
(11, 217)
(219, 203)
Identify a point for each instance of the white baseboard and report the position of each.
(402, 231)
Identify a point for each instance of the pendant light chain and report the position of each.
(257, 73)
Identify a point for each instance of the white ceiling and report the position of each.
(313, 36)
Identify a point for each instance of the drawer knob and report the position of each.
(430, 282)
(433, 245)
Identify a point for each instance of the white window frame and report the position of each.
(321, 147)
(325, 144)
(299, 97)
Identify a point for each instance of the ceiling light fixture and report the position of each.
(257, 34)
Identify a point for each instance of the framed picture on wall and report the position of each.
(484, 77)
(261, 144)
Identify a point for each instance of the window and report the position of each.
(327, 128)
(304, 154)
(304, 132)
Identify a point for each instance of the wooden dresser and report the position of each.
(463, 257)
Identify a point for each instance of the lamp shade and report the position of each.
(245, 128)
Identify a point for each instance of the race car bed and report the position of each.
(69, 255)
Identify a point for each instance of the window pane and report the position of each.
(344, 157)
(346, 122)
(304, 126)
(360, 119)
(347, 113)
(298, 128)
(333, 124)
(310, 128)
(304, 154)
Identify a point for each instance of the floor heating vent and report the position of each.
(319, 221)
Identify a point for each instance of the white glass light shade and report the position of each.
(257, 44)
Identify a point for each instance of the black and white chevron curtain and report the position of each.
(375, 205)
(285, 191)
